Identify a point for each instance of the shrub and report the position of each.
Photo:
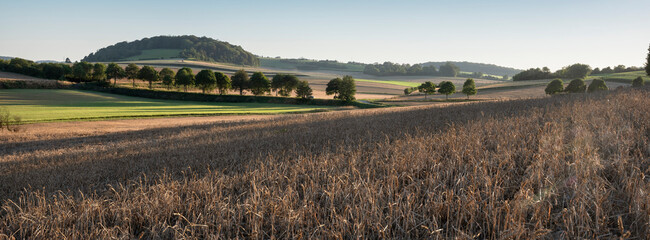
(597, 85)
(554, 87)
(638, 82)
(576, 86)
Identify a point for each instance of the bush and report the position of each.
(554, 87)
(576, 86)
(597, 85)
(638, 82)
(8, 121)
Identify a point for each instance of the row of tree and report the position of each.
(445, 87)
(617, 69)
(577, 70)
(395, 69)
(575, 86)
(57, 71)
(207, 80)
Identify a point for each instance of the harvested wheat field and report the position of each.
(572, 166)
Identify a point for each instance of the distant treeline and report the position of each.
(199, 48)
(57, 71)
(446, 70)
(573, 71)
(577, 70)
(617, 69)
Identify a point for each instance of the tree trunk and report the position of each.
(150, 85)
(133, 82)
(241, 91)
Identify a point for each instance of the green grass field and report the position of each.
(399, 83)
(43, 105)
(625, 77)
(155, 54)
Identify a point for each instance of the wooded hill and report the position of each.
(188, 46)
(478, 67)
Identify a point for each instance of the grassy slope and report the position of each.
(155, 54)
(38, 105)
(625, 77)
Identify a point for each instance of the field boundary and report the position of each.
(200, 97)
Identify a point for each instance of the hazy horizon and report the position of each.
(507, 33)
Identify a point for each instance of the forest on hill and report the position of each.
(188, 46)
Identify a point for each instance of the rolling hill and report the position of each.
(165, 47)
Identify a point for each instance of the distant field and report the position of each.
(625, 77)
(297, 63)
(156, 54)
(40, 105)
(399, 83)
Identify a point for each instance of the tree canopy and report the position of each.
(259, 84)
(447, 88)
(189, 46)
(347, 89)
(240, 81)
(469, 87)
(576, 86)
(223, 82)
(131, 72)
(449, 70)
(597, 85)
(303, 90)
(205, 80)
(99, 72)
(82, 71)
(114, 71)
(149, 74)
(284, 84)
(184, 77)
(427, 88)
(167, 76)
(554, 87)
(333, 87)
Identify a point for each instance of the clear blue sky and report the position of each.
(519, 34)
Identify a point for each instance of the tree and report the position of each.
(223, 82)
(240, 81)
(167, 75)
(647, 64)
(469, 88)
(131, 71)
(597, 85)
(67, 60)
(446, 88)
(284, 84)
(638, 82)
(206, 80)
(576, 71)
(81, 71)
(449, 70)
(149, 74)
(333, 87)
(347, 89)
(554, 87)
(427, 88)
(114, 71)
(99, 72)
(303, 90)
(259, 84)
(506, 77)
(576, 86)
(184, 77)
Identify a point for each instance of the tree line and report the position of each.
(446, 70)
(57, 71)
(395, 69)
(207, 80)
(577, 70)
(617, 69)
(578, 85)
(445, 87)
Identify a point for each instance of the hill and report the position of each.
(485, 68)
(163, 47)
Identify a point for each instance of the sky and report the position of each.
(520, 34)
